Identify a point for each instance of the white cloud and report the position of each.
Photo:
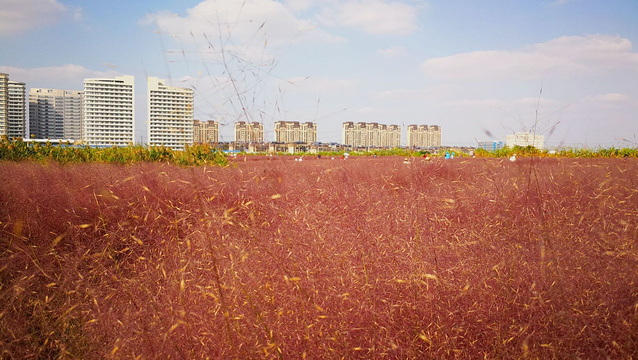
(249, 24)
(18, 16)
(68, 77)
(614, 98)
(564, 56)
(373, 16)
(393, 52)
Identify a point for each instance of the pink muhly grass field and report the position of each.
(362, 258)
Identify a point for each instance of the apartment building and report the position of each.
(294, 131)
(55, 114)
(249, 132)
(525, 139)
(205, 132)
(16, 109)
(4, 102)
(109, 111)
(423, 136)
(364, 134)
(170, 115)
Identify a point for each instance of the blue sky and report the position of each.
(566, 69)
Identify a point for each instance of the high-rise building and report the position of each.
(392, 137)
(16, 109)
(294, 131)
(363, 134)
(170, 115)
(423, 136)
(525, 139)
(55, 114)
(249, 132)
(4, 102)
(435, 135)
(109, 111)
(205, 132)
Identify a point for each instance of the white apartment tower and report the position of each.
(170, 115)
(55, 114)
(16, 109)
(109, 111)
(4, 103)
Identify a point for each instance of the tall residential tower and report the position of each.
(205, 132)
(170, 115)
(294, 131)
(109, 111)
(4, 102)
(424, 136)
(16, 109)
(249, 132)
(55, 114)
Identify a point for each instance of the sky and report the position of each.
(565, 69)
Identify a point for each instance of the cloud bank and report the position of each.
(18, 16)
(561, 57)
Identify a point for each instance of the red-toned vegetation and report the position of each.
(363, 258)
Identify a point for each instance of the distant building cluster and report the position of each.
(102, 114)
(523, 139)
(376, 135)
(490, 145)
(422, 136)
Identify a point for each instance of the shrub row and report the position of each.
(19, 150)
(567, 152)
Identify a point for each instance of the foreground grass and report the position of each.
(364, 258)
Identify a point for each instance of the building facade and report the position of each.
(55, 114)
(109, 111)
(363, 134)
(205, 132)
(4, 103)
(525, 139)
(490, 145)
(16, 109)
(423, 136)
(170, 115)
(294, 131)
(249, 132)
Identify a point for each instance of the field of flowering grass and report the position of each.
(322, 259)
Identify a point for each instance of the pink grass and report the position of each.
(362, 258)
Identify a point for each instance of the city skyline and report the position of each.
(564, 69)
